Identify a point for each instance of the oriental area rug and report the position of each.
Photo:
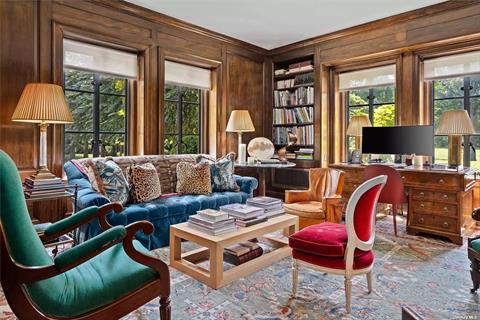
(429, 275)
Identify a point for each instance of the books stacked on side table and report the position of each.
(242, 252)
(35, 188)
(273, 207)
(244, 214)
(212, 222)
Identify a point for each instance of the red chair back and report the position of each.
(360, 213)
(393, 192)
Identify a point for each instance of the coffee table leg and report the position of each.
(175, 247)
(290, 230)
(216, 266)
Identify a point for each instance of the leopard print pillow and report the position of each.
(144, 183)
(193, 178)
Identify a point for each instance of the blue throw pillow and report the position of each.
(109, 180)
(221, 172)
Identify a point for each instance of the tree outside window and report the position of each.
(99, 105)
(377, 103)
(457, 93)
(182, 119)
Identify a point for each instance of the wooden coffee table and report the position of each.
(212, 248)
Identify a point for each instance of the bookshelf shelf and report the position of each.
(294, 109)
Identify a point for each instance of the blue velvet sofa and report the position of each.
(162, 212)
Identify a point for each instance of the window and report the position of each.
(378, 103)
(457, 93)
(182, 119)
(99, 105)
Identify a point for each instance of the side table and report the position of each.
(261, 168)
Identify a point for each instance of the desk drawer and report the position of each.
(422, 194)
(448, 224)
(437, 181)
(445, 196)
(434, 208)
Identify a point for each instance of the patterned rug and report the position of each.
(430, 275)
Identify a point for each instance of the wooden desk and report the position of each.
(438, 201)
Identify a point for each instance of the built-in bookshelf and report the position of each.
(293, 107)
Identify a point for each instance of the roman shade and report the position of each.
(452, 66)
(187, 76)
(367, 78)
(83, 56)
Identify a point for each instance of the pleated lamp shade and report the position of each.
(42, 103)
(356, 124)
(455, 122)
(240, 121)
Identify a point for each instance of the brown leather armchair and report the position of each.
(321, 202)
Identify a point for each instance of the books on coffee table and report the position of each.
(252, 221)
(273, 207)
(212, 222)
(242, 211)
(242, 252)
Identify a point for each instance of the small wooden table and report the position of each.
(213, 249)
(261, 168)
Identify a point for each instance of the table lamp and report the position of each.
(240, 122)
(455, 124)
(355, 130)
(42, 103)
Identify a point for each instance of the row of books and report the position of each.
(301, 95)
(292, 116)
(242, 252)
(304, 134)
(304, 154)
(295, 68)
(40, 188)
(300, 79)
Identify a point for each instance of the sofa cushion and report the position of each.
(364, 260)
(193, 178)
(109, 180)
(221, 172)
(92, 284)
(325, 239)
(475, 244)
(144, 183)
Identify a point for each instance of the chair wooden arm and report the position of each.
(472, 239)
(292, 196)
(146, 259)
(101, 214)
(331, 207)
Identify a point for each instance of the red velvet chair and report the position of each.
(393, 193)
(341, 249)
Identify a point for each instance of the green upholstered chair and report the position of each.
(105, 277)
(474, 256)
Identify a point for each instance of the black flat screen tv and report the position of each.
(398, 140)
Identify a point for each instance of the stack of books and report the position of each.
(300, 67)
(244, 214)
(273, 207)
(212, 222)
(242, 252)
(35, 188)
(304, 154)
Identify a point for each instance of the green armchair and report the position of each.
(105, 277)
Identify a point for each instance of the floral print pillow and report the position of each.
(109, 180)
(221, 172)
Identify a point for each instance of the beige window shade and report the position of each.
(452, 66)
(88, 57)
(188, 76)
(367, 78)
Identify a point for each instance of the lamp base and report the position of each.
(454, 151)
(42, 174)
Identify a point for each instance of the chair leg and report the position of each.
(369, 282)
(165, 310)
(394, 214)
(294, 278)
(348, 294)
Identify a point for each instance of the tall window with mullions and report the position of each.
(99, 105)
(96, 83)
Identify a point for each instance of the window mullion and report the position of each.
(96, 116)
(370, 104)
(466, 106)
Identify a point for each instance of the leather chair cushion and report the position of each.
(475, 244)
(95, 283)
(313, 209)
(325, 239)
(362, 261)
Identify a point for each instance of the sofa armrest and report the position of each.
(246, 184)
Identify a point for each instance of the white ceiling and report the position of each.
(273, 23)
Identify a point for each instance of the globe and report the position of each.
(261, 148)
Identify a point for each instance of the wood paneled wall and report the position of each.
(31, 37)
(401, 39)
